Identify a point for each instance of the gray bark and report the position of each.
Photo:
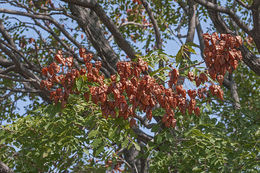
(89, 22)
(4, 168)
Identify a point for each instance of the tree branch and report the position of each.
(144, 121)
(218, 8)
(87, 20)
(119, 39)
(18, 80)
(200, 35)
(256, 20)
(141, 135)
(5, 63)
(21, 90)
(154, 23)
(4, 168)
(234, 93)
(243, 4)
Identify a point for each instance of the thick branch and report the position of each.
(119, 39)
(243, 4)
(142, 136)
(192, 22)
(200, 35)
(5, 63)
(256, 20)
(22, 90)
(251, 60)
(87, 20)
(4, 168)
(5, 34)
(85, 3)
(27, 74)
(144, 121)
(14, 79)
(234, 93)
(218, 8)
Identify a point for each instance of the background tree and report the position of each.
(225, 138)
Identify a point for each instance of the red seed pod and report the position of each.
(234, 63)
(113, 78)
(191, 76)
(220, 94)
(89, 66)
(179, 89)
(82, 52)
(45, 71)
(173, 122)
(174, 74)
(55, 79)
(239, 55)
(69, 61)
(203, 77)
(238, 41)
(192, 104)
(82, 71)
(220, 79)
(98, 64)
(165, 118)
(192, 93)
(183, 93)
(197, 111)
(53, 68)
(212, 73)
(214, 38)
(59, 91)
(198, 81)
(149, 114)
(132, 122)
(59, 58)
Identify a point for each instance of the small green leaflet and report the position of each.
(79, 83)
(93, 133)
(137, 146)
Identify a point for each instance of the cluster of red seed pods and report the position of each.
(221, 54)
(133, 90)
(127, 92)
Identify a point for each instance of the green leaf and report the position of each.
(155, 128)
(190, 49)
(159, 138)
(196, 169)
(112, 132)
(159, 70)
(92, 133)
(79, 83)
(8, 82)
(192, 44)
(99, 150)
(125, 143)
(179, 55)
(137, 146)
(96, 143)
(45, 154)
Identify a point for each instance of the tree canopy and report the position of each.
(129, 85)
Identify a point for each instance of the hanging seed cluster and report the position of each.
(131, 90)
(221, 54)
(66, 81)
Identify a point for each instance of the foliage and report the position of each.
(49, 139)
(154, 111)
